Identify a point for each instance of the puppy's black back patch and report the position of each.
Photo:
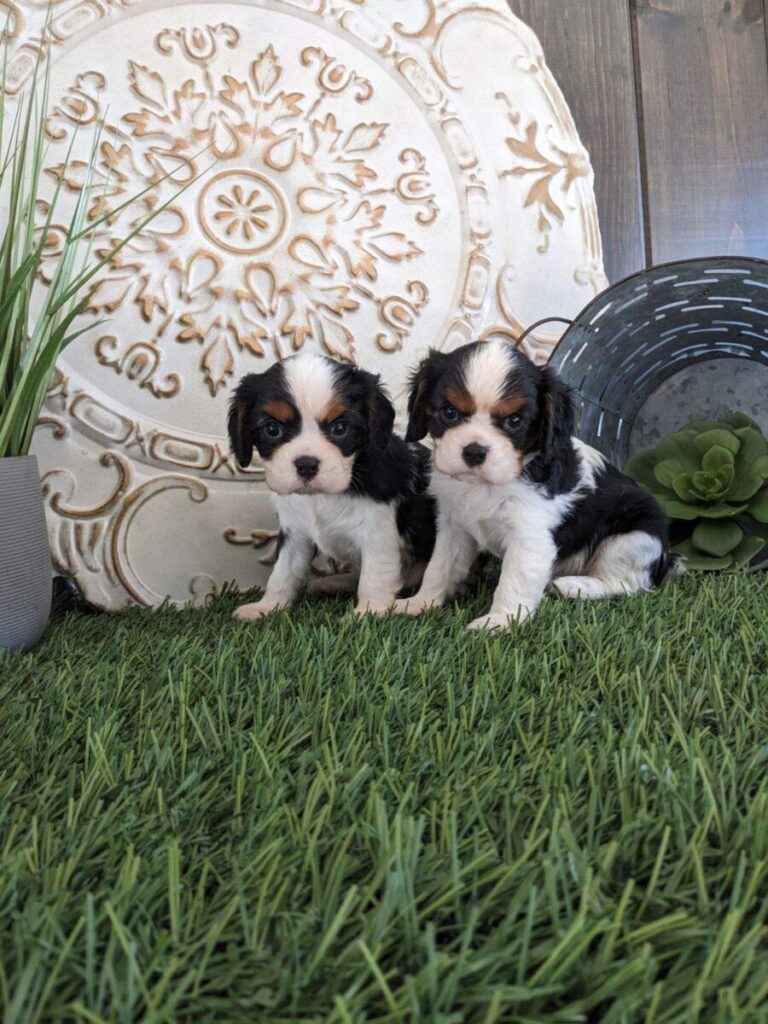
(616, 506)
(417, 511)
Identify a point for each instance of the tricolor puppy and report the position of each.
(510, 479)
(345, 485)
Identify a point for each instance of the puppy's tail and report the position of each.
(667, 564)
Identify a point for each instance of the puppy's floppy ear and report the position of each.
(423, 380)
(557, 411)
(379, 409)
(241, 405)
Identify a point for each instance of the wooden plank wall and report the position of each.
(671, 99)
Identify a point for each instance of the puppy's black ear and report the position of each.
(380, 411)
(423, 380)
(241, 405)
(557, 413)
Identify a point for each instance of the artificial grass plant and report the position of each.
(38, 322)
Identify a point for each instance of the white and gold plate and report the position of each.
(366, 178)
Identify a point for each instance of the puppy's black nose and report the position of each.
(307, 466)
(474, 454)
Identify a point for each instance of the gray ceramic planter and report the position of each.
(25, 559)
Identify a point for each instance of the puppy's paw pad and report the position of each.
(490, 623)
(409, 606)
(496, 621)
(371, 609)
(251, 612)
(576, 587)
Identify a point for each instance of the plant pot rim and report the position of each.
(25, 580)
(17, 458)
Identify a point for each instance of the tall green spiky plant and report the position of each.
(37, 323)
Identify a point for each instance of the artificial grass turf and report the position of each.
(317, 819)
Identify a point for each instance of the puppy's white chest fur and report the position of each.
(494, 515)
(340, 526)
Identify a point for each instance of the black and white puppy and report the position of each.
(345, 485)
(510, 479)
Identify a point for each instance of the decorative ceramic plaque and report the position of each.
(365, 178)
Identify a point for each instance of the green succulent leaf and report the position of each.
(753, 444)
(700, 426)
(717, 537)
(717, 457)
(676, 509)
(745, 487)
(747, 550)
(694, 559)
(709, 486)
(683, 488)
(640, 468)
(724, 438)
(758, 507)
(680, 448)
(738, 420)
(721, 511)
(748, 480)
(667, 471)
(710, 471)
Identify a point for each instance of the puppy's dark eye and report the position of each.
(513, 421)
(273, 429)
(338, 428)
(450, 413)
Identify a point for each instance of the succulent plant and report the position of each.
(711, 478)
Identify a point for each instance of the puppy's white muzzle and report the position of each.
(308, 465)
(477, 451)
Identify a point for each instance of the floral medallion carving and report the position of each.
(286, 205)
(361, 178)
(242, 212)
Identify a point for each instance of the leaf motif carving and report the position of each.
(218, 361)
(266, 71)
(394, 246)
(546, 171)
(147, 85)
(365, 136)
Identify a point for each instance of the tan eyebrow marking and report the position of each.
(461, 400)
(333, 410)
(507, 406)
(281, 411)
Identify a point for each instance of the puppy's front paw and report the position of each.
(372, 608)
(257, 610)
(411, 606)
(579, 587)
(497, 621)
(490, 622)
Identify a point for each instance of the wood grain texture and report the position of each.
(703, 79)
(588, 47)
